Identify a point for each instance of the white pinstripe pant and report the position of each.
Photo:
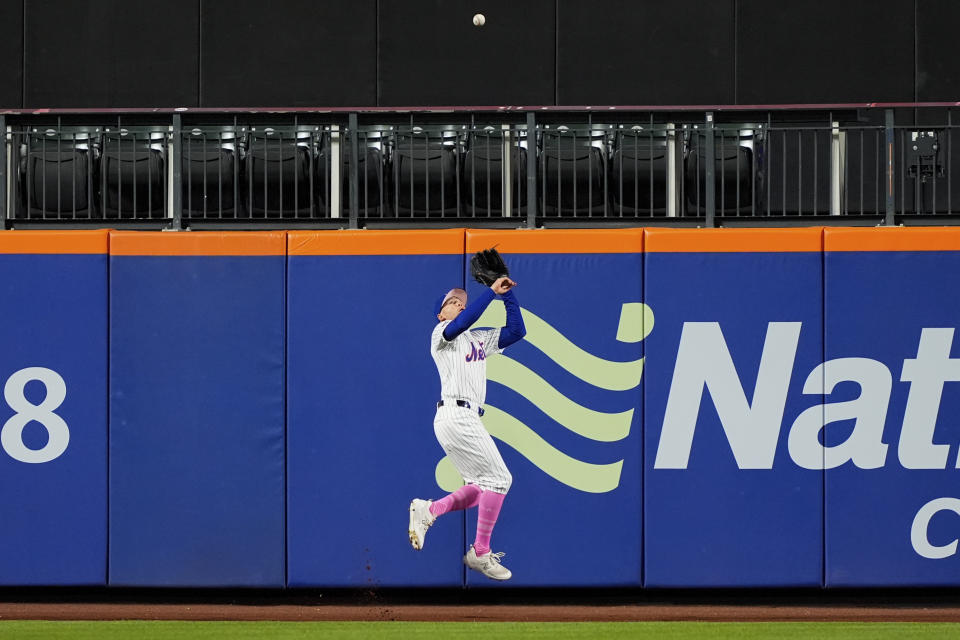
(471, 449)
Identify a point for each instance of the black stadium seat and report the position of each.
(371, 195)
(57, 178)
(211, 177)
(425, 175)
(573, 174)
(483, 175)
(278, 176)
(733, 175)
(638, 174)
(132, 173)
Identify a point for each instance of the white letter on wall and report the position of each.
(918, 531)
(926, 374)
(865, 445)
(752, 429)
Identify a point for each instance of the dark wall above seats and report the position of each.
(938, 66)
(11, 55)
(237, 53)
(294, 53)
(820, 51)
(110, 53)
(652, 53)
(432, 54)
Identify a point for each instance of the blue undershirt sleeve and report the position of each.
(514, 329)
(469, 315)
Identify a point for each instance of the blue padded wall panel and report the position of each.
(362, 391)
(197, 420)
(722, 512)
(564, 407)
(881, 308)
(54, 520)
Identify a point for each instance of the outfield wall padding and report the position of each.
(690, 408)
(738, 327)
(361, 392)
(197, 409)
(565, 407)
(53, 462)
(891, 304)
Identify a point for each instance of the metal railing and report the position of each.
(549, 167)
(76, 173)
(255, 173)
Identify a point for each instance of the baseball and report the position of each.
(479, 20)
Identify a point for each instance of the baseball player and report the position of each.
(460, 355)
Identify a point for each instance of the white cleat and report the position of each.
(420, 521)
(488, 564)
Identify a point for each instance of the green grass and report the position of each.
(164, 630)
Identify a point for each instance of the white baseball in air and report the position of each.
(479, 20)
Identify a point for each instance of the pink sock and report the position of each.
(463, 498)
(490, 503)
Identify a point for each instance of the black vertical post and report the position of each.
(3, 172)
(888, 220)
(176, 223)
(354, 134)
(710, 178)
(531, 170)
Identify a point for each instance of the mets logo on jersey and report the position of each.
(636, 322)
(476, 352)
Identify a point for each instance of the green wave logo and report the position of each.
(636, 322)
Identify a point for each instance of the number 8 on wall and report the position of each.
(11, 436)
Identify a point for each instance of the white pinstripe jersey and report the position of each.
(462, 362)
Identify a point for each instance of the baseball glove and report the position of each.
(487, 265)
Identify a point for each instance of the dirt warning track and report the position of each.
(483, 606)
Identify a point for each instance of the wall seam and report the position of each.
(109, 269)
(285, 307)
(643, 416)
(823, 410)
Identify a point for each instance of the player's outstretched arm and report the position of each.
(514, 329)
(469, 315)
